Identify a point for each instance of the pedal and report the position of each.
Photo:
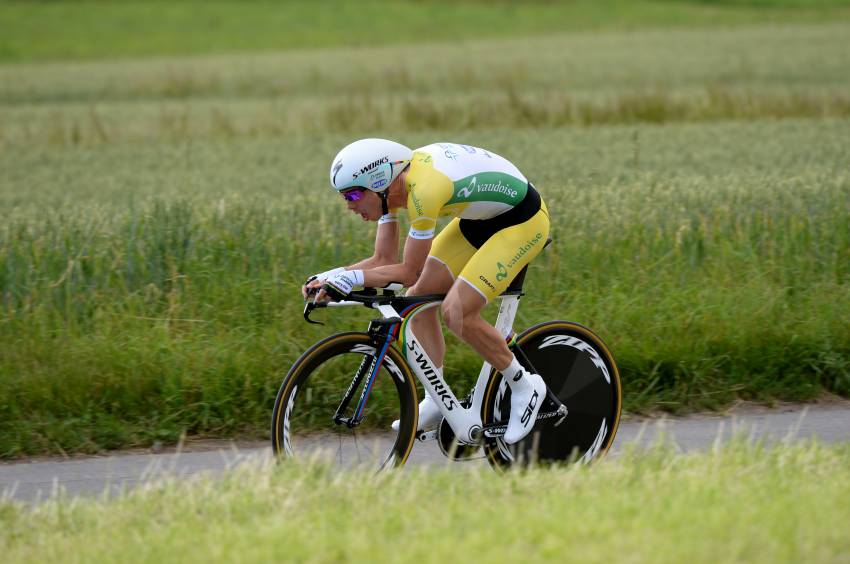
(427, 435)
(562, 412)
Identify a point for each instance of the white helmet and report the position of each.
(369, 163)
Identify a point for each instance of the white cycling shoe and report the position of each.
(429, 415)
(528, 391)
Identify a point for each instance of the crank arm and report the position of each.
(495, 431)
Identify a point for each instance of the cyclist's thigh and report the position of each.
(451, 248)
(449, 252)
(502, 256)
(435, 279)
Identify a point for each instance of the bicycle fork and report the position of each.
(381, 332)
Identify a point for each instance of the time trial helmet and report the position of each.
(369, 163)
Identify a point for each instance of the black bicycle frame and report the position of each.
(381, 331)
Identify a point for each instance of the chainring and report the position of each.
(450, 446)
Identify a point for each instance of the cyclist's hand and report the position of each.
(339, 286)
(311, 287)
(314, 283)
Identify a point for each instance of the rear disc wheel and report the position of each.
(579, 369)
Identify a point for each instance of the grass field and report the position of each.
(159, 292)
(159, 214)
(739, 503)
(101, 29)
(764, 72)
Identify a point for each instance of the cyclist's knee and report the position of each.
(427, 317)
(451, 321)
(453, 316)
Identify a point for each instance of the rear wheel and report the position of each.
(581, 372)
(303, 417)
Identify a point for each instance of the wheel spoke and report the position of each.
(303, 419)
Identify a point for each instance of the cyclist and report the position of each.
(500, 224)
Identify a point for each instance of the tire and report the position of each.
(580, 370)
(302, 419)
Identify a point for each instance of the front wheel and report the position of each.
(578, 368)
(303, 424)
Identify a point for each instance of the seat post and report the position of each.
(516, 284)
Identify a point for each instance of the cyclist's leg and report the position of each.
(449, 253)
(435, 279)
(488, 273)
(462, 315)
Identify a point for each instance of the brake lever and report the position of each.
(308, 308)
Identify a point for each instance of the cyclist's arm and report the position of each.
(386, 252)
(386, 247)
(423, 206)
(406, 272)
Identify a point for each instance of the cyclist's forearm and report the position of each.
(368, 263)
(406, 272)
(382, 275)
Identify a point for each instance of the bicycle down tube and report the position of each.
(465, 422)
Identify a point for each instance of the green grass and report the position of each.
(762, 72)
(99, 29)
(147, 291)
(739, 503)
(160, 214)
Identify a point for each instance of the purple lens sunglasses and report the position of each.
(354, 194)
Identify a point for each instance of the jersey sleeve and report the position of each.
(428, 190)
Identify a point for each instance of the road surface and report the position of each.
(36, 479)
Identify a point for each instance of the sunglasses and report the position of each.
(354, 194)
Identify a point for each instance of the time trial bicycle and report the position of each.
(339, 397)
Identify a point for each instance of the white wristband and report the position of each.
(388, 218)
(359, 279)
(345, 281)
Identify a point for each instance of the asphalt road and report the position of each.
(38, 479)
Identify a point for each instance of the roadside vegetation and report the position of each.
(741, 503)
(703, 75)
(159, 214)
(93, 29)
(152, 290)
